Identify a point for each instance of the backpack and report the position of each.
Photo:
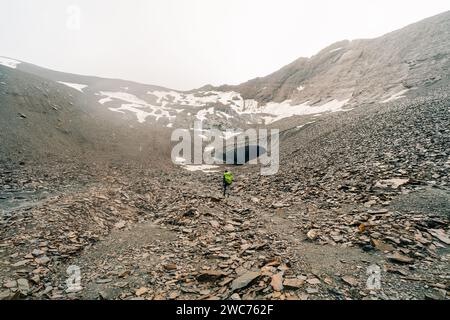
(228, 176)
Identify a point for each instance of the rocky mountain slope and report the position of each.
(44, 119)
(345, 75)
(404, 62)
(38, 116)
(357, 190)
(341, 204)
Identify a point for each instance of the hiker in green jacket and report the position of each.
(227, 181)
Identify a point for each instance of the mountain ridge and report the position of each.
(342, 44)
(334, 65)
(409, 62)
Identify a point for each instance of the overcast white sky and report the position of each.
(184, 44)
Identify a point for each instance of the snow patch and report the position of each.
(230, 134)
(224, 115)
(270, 112)
(334, 50)
(204, 167)
(75, 86)
(141, 108)
(10, 63)
(206, 98)
(396, 96)
(301, 126)
(127, 97)
(246, 106)
(284, 109)
(393, 183)
(200, 99)
(105, 100)
(140, 114)
(207, 101)
(180, 160)
(201, 115)
(190, 167)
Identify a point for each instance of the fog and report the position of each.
(185, 44)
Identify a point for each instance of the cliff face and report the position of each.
(415, 57)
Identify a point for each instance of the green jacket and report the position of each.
(228, 178)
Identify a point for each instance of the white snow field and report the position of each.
(180, 160)
(127, 97)
(396, 96)
(168, 103)
(334, 50)
(191, 167)
(201, 115)
(139, 107)
(204, 167)
(274, 111)
(284, 109)
(75, 86)
(206, 98)
(105, 100)
(10, 63)
(301, 126)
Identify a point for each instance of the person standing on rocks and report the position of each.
(227, 181)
